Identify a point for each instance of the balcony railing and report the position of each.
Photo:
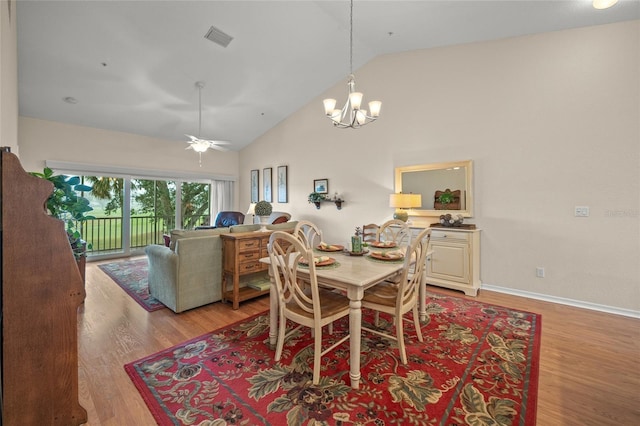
(105, 234)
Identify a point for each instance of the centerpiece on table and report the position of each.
(263, 211)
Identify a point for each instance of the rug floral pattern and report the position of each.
(131, 275)
(478, 366)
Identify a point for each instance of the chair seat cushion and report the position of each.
(382, 294)
(330, 304)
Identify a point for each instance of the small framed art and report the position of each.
(282, 184)
(266, 177)
(321, 186)
(255, 185)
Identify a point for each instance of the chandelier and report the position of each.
(351, 115)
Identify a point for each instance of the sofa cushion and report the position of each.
(281, 226)
(280, 219)
(253, 228)
(244, 228)
(177, 234)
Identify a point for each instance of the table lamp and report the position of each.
(252, 211)
(404, 201)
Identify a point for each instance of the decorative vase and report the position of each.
(264, 221)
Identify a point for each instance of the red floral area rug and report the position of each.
(478, 365)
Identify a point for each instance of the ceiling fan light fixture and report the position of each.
(603, 4)
(198, 144)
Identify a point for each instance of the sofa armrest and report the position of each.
(163, 274)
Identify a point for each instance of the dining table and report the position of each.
(354, 274)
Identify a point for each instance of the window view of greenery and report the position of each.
(152, 211)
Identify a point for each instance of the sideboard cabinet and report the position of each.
(455, 259)
(243, 275)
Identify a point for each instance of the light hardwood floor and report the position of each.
(589, 363)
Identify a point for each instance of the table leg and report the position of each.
(355, 331)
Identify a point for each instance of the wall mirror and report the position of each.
(426, 179)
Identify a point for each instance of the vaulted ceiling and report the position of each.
(131, 66)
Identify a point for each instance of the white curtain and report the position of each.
(221, 196)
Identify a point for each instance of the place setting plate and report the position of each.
(383, 244)
(319, 261)
(330, 247)
(387, 256)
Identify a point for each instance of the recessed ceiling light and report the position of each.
(70, 100)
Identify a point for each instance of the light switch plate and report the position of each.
(581, 211)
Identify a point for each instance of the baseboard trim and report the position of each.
(563, 301)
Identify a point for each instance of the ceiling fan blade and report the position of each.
(193, 138)
(219, 148)
(216, 142)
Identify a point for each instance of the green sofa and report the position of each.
(188, 273)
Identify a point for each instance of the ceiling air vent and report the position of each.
(219, 37)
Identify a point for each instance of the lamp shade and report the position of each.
(416, 200)
(405, 201)
(252, 209)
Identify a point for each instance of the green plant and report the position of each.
(67, 203)
(263, 208)
(446, 198)
(315, 197)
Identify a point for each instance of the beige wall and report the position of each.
(42, 140)
(8, 76)
(551, 121)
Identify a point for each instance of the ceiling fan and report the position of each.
(196, 143)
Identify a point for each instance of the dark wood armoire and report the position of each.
(41, 291)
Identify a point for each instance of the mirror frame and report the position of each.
(467, 164)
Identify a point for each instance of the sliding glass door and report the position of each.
(131, 213)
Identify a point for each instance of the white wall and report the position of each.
(42, 140)
(8, 76)
(551, 121)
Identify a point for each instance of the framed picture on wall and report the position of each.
(266, 177)
(255, 185)
(321, 186)
(282, 184)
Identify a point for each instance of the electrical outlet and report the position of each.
(581, 211)
(540, 271)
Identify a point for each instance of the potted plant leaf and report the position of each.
(446, 198)
(67, 203)
(316, 198)
(263, 209)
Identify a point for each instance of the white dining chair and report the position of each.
(309, 232)
(401, 297)
(396, 231)
(303, 303)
